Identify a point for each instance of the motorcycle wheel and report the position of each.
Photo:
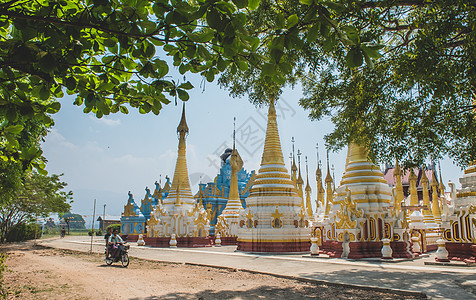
(125, 260)
(109, 262)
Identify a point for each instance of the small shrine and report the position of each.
(362, 213)
(460, 222)
(215, 195)
(133, 220)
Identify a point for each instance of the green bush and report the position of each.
(3, 268)
(51, 231)
(114, 226)
(23, 232)
(98, 232)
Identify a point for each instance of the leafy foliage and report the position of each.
(111, 54)
(39, 196)
(3, 268)
(76, 221)
(396, 76)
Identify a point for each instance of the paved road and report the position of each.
(434, 281)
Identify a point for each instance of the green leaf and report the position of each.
(354, 57)
(292, 21)
(123, 110)
(54, 107)
(240, 3)
(186, 86)
(47, 63)
(109, 43)
(210, 76)
(15, 129)
(70, 83)
(312, 33)
(280, 20)
(306, 2)
(242, 65)
(285, 67)
(268, 69)
(183, 95)
(253, 4)
(203, 36)
(225, 7)
(44, 93)
(162, 67)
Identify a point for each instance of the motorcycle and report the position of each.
(121, 255)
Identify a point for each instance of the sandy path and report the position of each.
(43, 273)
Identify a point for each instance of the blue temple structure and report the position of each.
(132, 220)
(214, 195)
(150, 201)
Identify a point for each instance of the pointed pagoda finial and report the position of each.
(234, 131)
(299, 179)
(182, 127)
(442, 186)
(318, 171)
(333, 177)
(328, 177)
(292, 141)
(307, 170)
(272, 153)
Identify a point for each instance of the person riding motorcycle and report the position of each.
(114, 243)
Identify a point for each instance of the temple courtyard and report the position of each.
(55, 268)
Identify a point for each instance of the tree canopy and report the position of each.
(39, 196)
(402, 82)
(395, 75)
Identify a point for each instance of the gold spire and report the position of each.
(293, 165)
(427, 216)
(442, 190)
(320, 188)
(180, 189)
(272, 165)
(413, 189)
(308, 192)
(234, 203)
(300, 182)
(399, 187)
(182, 127)
(272, 153)
(435, 207)
(329, 189)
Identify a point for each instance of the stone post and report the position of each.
(314, 247)
(441, 253)
(386, 249)
(173, 241)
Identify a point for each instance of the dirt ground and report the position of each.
(43, 273)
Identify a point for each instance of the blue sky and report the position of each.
(105, 158)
